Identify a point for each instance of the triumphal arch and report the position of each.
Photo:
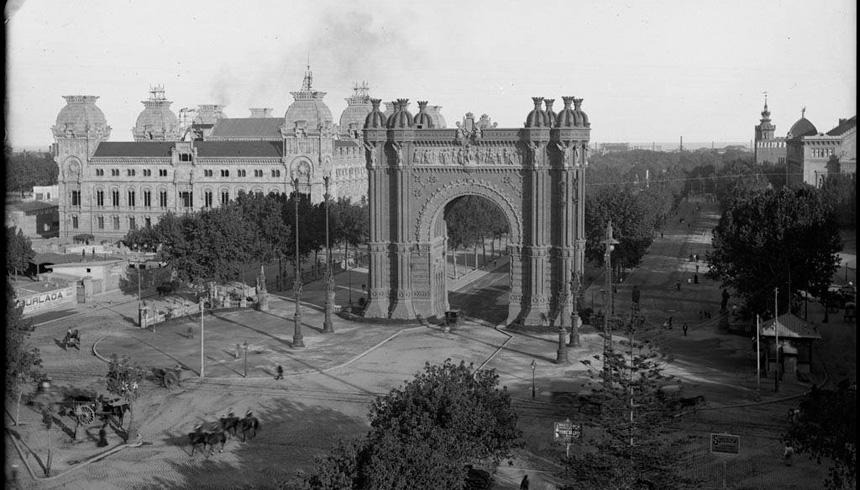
(534, 174)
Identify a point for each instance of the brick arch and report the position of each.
(434, 208)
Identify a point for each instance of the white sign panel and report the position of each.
(47, 300)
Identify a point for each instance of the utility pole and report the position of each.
(329, 278)
(610, 243)
(201, 339)
(298, 339)
(757, 358)
(776, 371)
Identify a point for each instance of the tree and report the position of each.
(840, 192)
(23, 362)
(776, 238)
(827, 429)
(19, 251)
(423, 434)
(633, 222)
(631, 449)
(123, 380)
(27, 169)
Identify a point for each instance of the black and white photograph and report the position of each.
(446, 244)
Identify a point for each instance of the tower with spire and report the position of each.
(766, 147)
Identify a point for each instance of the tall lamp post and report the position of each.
(610, 243)
(575, 285)
(533, 365)
(298, 339)
(329, 277)
(245, 348)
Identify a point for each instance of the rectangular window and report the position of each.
(162, 172)
(101, 221)
(185, 157)
(114, 172)
(115, 198)
(76, 198)
(100, 198)
(131, 199)
(147, 199)
(240, 173)
(116, 222)
(162, 199)
(225, 197)
(100, 172)
(187, 199)
(147, 172)
(258, 173)
(132, 223)
(130, 172)
(74, 222)
(276, 173)
(225, 173)
(207, 199)
(207, 172)
(148, 222)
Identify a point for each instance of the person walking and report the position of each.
(280, 371)
(524, 485)
(685, 329)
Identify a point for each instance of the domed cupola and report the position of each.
(376, 119)
(537, 117)
(308, 109)
(157, 122)
(566, 118)
(358, 107)
(401, 118)
(81, 118)
(423, 118)
(551, 118)
(581, 117)
(802, 127)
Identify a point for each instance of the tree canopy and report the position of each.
(23, 362)
(471, 219)
(423, 434)
(772, 239)
(27, 169)
(19, 251)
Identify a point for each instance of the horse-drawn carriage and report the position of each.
(85, 407)
(168, 378)
(72, 339)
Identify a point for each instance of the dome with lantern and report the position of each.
(308, 110)
(157, 122)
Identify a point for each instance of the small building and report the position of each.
(95, 277)
(37, 219)
(796, 337)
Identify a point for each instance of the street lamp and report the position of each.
(533, 378)
(245, 347)
(610, 243)
(329, 277)
(47, 418)
(297, 285)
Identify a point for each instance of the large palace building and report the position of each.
(202, 159)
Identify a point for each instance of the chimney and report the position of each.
(261, 111)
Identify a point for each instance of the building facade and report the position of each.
(108, 188)
(813, 156)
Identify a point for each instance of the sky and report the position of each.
(648, 70)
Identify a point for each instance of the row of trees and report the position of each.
(216, 243)
(19, 251)
(27, 169)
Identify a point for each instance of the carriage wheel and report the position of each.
(86, 414)
(170, 379)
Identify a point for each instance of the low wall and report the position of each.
(47, 300)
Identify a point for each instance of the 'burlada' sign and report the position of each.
(47, 300)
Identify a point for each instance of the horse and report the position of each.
(196, 439)
(228, 423)
(210, 439)
(793, 415)
(114, 409)
(249, 423)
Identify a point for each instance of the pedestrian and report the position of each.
(677, 285)
(280, 371)
(697, 268)
(524, 485)
(787, 453)
(661, 234)
(685, 329)
(236, 356)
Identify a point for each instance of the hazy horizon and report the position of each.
(646, 71)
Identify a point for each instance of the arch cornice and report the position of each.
(434, 206)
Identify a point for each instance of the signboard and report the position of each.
(48, 300)
(567, 431)
(725, 443)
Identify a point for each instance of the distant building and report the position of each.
(767, 147)
(813, 156)
(46, 192)
(605, 148)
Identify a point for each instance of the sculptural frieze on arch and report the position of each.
(534, 175)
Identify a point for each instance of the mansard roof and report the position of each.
(224, 149)
(844, 126)
(134, 149)
(264, 128)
